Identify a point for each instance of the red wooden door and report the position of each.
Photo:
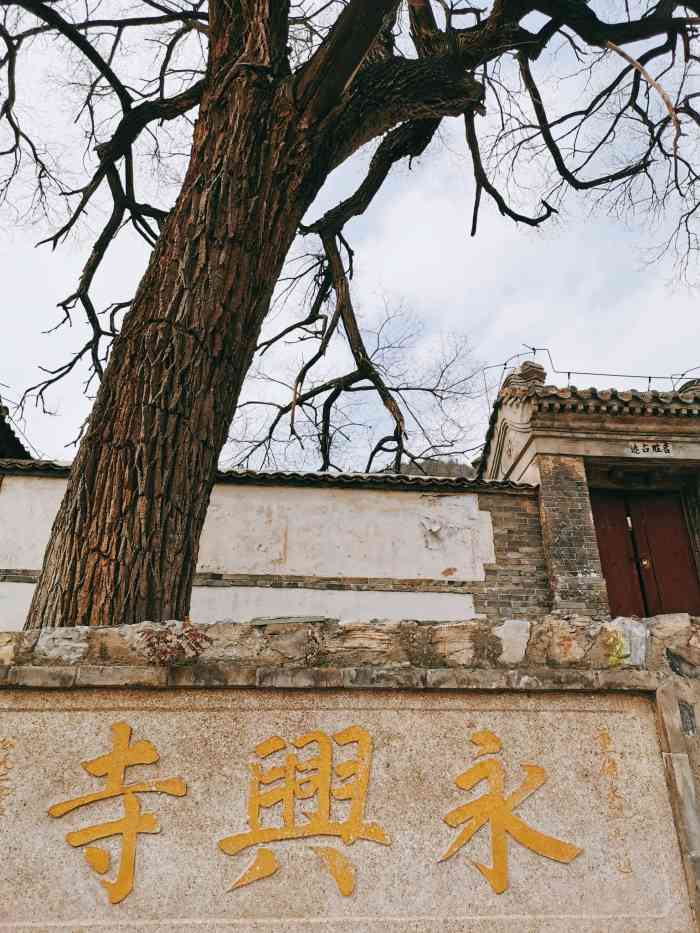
(617, 553)
(646, 553)
(667, 566)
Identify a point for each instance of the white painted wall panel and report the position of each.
(28, 506)
(14, 605)
(345, 533)
(301, 531)
(241, 604)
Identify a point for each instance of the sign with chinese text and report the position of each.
(650, 448)
(353, 811)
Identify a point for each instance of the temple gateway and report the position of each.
(400, 703)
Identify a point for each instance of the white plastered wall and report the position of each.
(290, 531)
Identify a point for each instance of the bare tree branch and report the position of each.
(328, 74)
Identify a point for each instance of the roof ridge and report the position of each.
(396, 481)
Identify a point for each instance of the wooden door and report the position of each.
(617, 553)
(646, 554)
(666, 563)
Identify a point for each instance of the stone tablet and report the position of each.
(366, 811)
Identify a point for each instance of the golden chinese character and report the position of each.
(294, 779)
(497, 809)
(112, 767)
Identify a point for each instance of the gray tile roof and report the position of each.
(10, 445)
(681, 403)
(397, 481)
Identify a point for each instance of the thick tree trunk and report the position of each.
(124, 544)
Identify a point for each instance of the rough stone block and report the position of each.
(451, 644)
(671, 631)
(61, 645)
(366, 643)
(44, 677)
(24, 645)
(116, 646)
(232, 642)
(389, 677)
(309, 678)
(211, 674)
(514, 635)
(570, 641)
(619, 644)
(89, 675)
(7, 647)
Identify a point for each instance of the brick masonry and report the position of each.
(517, 583)
(570, 544)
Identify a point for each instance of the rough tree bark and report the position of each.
(124, 544)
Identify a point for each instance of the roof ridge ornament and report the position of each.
(526, 375)
(691, 388)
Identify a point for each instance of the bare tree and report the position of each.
(284, 93)
(327, 410)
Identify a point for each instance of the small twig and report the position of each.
(668, 103)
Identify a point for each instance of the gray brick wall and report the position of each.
(569, 538)
(516, 584)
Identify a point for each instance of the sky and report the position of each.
(584, 286)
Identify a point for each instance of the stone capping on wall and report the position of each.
(559, 651)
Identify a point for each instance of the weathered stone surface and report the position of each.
(24, 646)
(61, 645)
(211, 674)
(295, 679)
(671, 632)
(452, 645)
(46, 677)
(514, 635)
(561, 641)
(384, 677)
(351, 643)
(116, 646)
(619, 644)
(7, 647)
(604, 791)
(241, 642)
(570, 641)
(120, 676)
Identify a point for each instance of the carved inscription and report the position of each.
(290, 780)
(313, 786)
(494, 809)
(112, 767)
(6, 746)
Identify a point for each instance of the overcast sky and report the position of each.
(581, 286)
